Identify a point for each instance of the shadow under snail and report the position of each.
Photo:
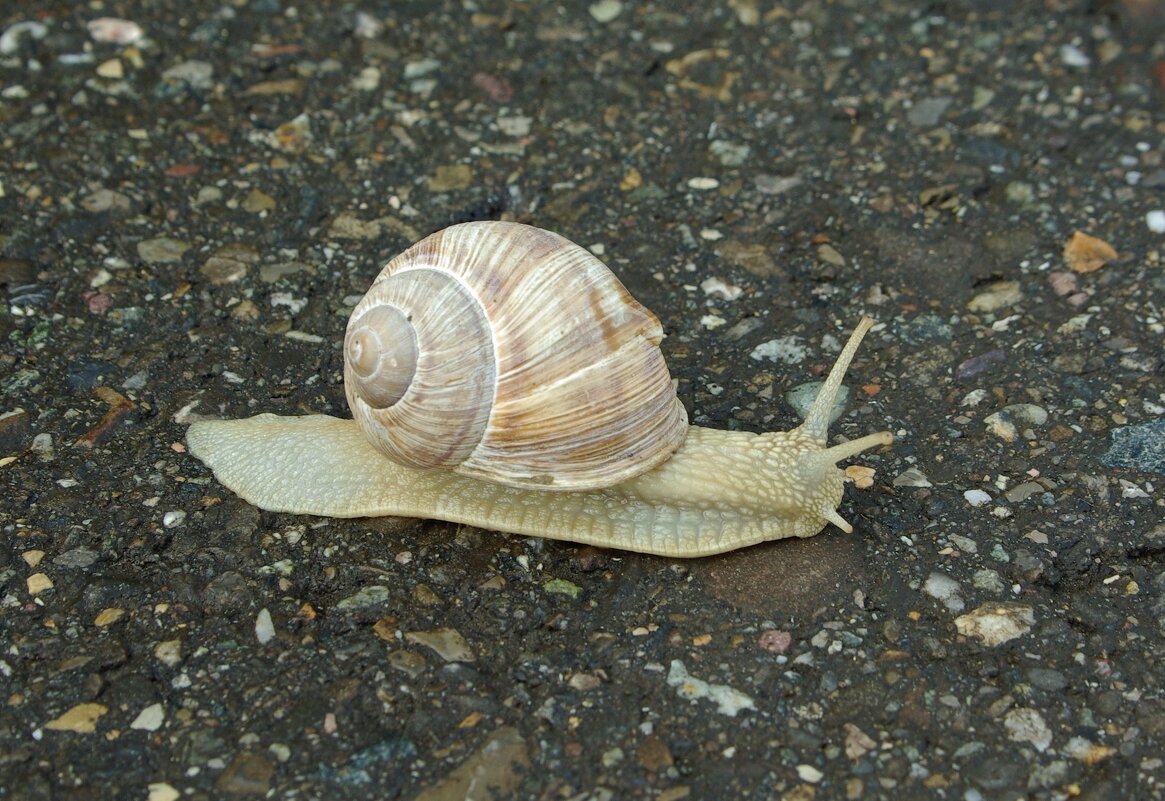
(501, 376)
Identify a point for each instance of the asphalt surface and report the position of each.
(194, 196)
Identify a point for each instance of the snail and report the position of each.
(501, 376)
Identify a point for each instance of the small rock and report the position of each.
(1073, 56)
(408, 662)
(114, 30)
(563, 587)
(719, 288)
(788, 350)
(1087, 751)
(495, 770)
(776, 184)
(729, 701)
(911, 477)
(169, 652)
(927, 112)
(38, 583)
(730, 154)
(605, 11)
(81, 719)
(450, 177)
(981, 363)
(257, 201)
(775, 641)
(372, 595)
(150, 718)
(1140, 447)
(1086, 254)
(161, 791)
(15, 426)
(810, 774)
(248, 774)
(977, 497)
(264, 627)
(1155, 220)
(944, 588)
(1047, 679)
(447, 642)
(998, 295)
(162, 250)
(994, 624)
(1027, 726)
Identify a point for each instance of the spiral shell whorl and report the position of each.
(534, 365)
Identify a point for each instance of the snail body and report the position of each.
(563, 426)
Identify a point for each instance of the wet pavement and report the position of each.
(192, 199)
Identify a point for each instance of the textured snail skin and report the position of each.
(720, 491)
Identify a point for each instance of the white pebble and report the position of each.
(1156, 221)
(808, 773)
(264, 627)
(149, 719)
(703, 184)
(172, 519)
(977, 497)
(1073, 56)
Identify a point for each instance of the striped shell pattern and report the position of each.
(509, 353)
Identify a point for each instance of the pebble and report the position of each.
(775, 641)
(998, 295)
(605, 11)
(408, 662)
(927, 112)
(450, 177)
(719, 288)
(776, 184)
(264, 627)
(114, 30)
(942, 587)
(1141, 447)
(365, 597)
(1155, 219)
(169, 652)
(995, 624)
(161, 250)
(980, 364)
(729, 154)
(161, 791)
(1027, 726)
(561, 586)
(702, 184)
(977, 497)
(1073, 56)
(808, 773)
(911, 477)
(728, 701)
(1047, 679)
(788, 350)
(150, 718)
(10, 39)
(988, 581)
(81, 719)
(38, 583)
(195, 75)
(1085, 254)
(496, 770)
(446, 642)
(247, 774)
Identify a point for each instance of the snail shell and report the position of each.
(507, 352)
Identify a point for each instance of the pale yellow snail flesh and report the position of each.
(720, 490)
